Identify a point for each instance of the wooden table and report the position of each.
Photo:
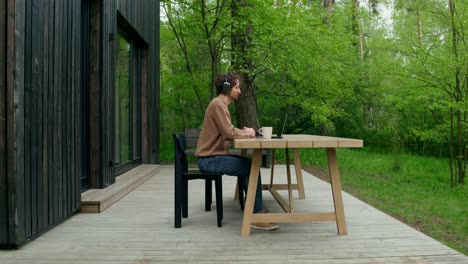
(294, 142)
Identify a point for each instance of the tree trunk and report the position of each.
(460, 148)
(328, 6)
(246, 105)
(458, 96)
(357, 29)
(210, 34)
(418, 16)
(452, 174)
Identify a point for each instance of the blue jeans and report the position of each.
(235, 166)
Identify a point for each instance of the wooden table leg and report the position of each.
(251, 190)
(272, 172)
(336, 190)
(298, 168)
(288, 174)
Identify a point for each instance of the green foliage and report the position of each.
(401, 94)
(315, 157)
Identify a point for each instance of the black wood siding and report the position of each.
(45, 118)
(3, 146)
(42, 115)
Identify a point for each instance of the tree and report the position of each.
(178, 27)
(398, 82)
(435, 60)
(194, 29)
(241, 41)
(460, 90)
(215, 33)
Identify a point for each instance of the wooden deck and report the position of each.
(98, 200)
(139, 228)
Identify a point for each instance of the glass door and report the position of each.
(127, 107)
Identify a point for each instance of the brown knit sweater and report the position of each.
(217, 128)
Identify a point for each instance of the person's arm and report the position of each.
(228, 131)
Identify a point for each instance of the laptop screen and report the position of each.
(280, 127)
(280, 132)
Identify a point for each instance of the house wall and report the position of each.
(42, 109)
(3, 175)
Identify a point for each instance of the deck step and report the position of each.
(98, 200)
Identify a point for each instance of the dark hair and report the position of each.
(232, 78)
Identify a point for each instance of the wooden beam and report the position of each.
(293, 217)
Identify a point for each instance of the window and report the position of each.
(127, 101)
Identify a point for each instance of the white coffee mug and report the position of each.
(266, 132)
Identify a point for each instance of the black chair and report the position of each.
(183, 175)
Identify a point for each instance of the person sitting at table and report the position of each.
(212, 152)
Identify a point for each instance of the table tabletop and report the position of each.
(297, 141)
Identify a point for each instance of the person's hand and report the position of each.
(250, 131)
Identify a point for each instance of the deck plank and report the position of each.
(139, 228)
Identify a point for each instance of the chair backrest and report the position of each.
(191, 137)
(180, 158)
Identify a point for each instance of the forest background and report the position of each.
(391, 72)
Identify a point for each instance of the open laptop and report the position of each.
(279, 133)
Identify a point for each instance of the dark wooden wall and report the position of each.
(45, 119)
(3, 175)
(42, 115)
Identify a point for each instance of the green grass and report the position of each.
(418, 194)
